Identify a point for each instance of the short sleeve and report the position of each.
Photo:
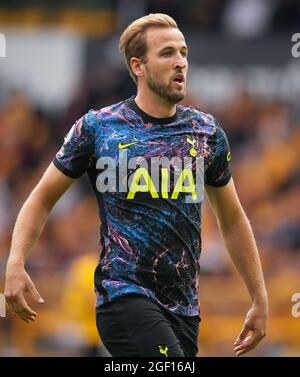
(218, 172)
(77, 152)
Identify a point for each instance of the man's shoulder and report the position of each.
(93, 116)
(203, 117)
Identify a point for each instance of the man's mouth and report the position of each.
(179, 78)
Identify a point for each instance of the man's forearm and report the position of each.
(29, 225)
(240, 243)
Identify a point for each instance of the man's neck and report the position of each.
(153, 105)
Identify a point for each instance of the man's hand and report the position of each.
(17, 284)
(29, 225)
(256, 323)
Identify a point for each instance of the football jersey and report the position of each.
(148, 175)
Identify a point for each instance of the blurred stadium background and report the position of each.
(62, 59)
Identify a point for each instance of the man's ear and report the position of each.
(137, 67)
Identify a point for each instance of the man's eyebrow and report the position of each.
(173, 48)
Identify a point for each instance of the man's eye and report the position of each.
(167, 53)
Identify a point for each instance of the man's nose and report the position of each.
(180, 62)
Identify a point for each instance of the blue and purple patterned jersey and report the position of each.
(150, 222)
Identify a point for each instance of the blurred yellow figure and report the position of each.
(78, 303)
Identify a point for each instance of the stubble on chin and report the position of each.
(165, 91)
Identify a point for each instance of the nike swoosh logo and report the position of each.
(122, 146)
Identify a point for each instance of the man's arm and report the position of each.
(29, 225)
(240, 243)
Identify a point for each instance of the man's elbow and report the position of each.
(41, 200)
(233, 220)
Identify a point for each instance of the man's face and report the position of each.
(166, 63)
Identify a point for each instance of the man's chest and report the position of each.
(181, 141)
(159, 160)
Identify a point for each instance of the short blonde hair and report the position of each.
(132, 42)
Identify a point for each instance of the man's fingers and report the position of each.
(19, 306)
(249, 343)
(254, 338)
(36, 294)
(23, 306)
(17, 312)
(246, 349)
(17, 285)
(244, 344)
(242, 335)
(242, 352)
(23, 317)
(11, 308)
(23, 314)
